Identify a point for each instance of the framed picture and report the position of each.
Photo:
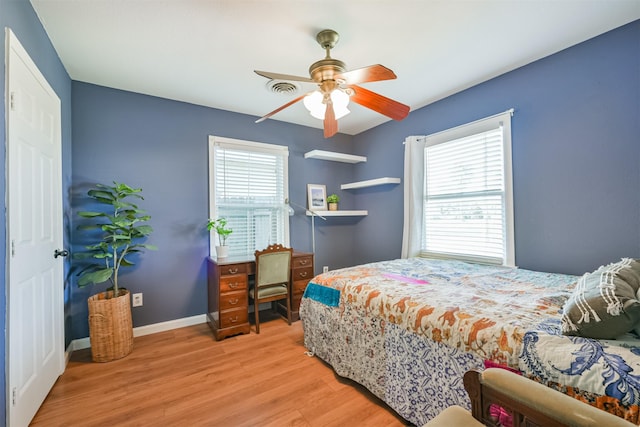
(317, 196)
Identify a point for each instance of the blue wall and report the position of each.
(161, 146)
(576, 156)
(20, 17)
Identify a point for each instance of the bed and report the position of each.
(409, 329)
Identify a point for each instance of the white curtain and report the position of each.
(413, 195)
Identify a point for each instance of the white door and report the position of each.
(34, 217)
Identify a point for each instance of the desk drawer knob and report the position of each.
(234, 301)
(233, 319)
(234, 285)
(233, 270)
(304, 262)
(303, 274)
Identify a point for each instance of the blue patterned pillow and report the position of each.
(604, 303)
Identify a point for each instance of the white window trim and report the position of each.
(249, 145)
(479, 126)
(414, 176)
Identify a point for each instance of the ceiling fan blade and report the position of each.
(277, 76)
(372, 73)
(379, 103)
(277, 110)
(330, 122)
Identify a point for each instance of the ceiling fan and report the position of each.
(336, 86)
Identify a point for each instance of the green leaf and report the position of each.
(126, 263)
(144, 230)
(88, 269)
(103, 255)
(87, 214)
(133, 248)
(89, 227)
(123, 204)
(98, 276)
(99, 194)
(115, 237)
(98, 246)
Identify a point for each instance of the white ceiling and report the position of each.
(204, 52)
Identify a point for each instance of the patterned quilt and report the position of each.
(409, 329)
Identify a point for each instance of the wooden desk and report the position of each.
(228, 291)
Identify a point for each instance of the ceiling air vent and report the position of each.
(282, 87)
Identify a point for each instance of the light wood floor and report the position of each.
(184, 377)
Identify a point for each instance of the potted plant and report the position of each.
(120, 234)
(220, 226)
(333, 200)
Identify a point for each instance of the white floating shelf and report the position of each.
(334, 157)
(340, 213)
(370, 183)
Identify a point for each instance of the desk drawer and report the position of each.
(230, 300)
(299, 286)
(231, 269)
(302, 273)
(234, 317)
(303, 261)
(233, 283)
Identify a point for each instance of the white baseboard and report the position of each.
(81, 343)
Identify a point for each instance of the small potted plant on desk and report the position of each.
(220, 226)
(333, 200)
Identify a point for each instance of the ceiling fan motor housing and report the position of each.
(326, 69)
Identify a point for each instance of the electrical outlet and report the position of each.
(325, 269)
(137, 300)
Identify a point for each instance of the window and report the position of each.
(248, 186)
(463, 208)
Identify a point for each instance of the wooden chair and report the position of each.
(522, 402)
(272, 280)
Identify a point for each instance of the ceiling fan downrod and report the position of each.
(327, 68)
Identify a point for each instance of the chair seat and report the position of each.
(454, 416)
(269, 292)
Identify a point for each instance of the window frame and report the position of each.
(250, 146)
(479, 126)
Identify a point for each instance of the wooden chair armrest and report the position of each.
(529, 402)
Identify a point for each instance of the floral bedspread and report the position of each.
(409, 329)
(482, 309)
(603, 373)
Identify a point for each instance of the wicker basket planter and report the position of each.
(110, 326)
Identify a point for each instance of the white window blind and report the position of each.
(248, 187)
(467, 196)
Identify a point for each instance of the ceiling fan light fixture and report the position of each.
(314, 103)
(340, 102)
